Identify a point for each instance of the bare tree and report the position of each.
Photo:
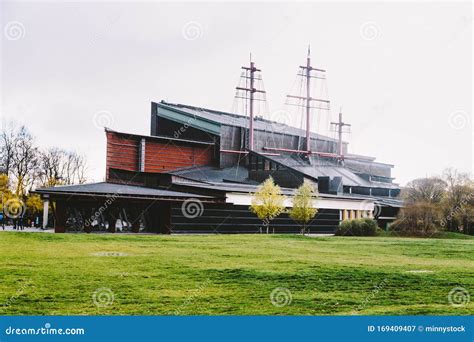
(76, 168)
(458, 205)
(24, 161)
(7, 146)
(61, 167)
(50, 173)
(427, 190)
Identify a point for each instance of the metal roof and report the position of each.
(251, 188)
(208, 119)
(159, 137)
(120, 190)
(238, 174)
(317, 167)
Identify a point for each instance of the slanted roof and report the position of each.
(159, 137)
(252, 188)
(116, 190)
(235, 174)
(317, 167)
(210, 120)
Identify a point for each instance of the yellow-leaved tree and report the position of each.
(5, 193)
(34, 203)
(268, 202)
(303, 209)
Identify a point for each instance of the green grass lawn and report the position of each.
(231, 274)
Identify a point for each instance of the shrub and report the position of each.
(421, 219)
(358, 227)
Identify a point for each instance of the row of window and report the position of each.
(347, 214)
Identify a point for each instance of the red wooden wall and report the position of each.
(161, 154)
(122, 152)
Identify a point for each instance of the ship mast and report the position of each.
(251, 90)
(338, 126)
(306, 71)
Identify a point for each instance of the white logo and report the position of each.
(369, 31)
(192, 30)
(14, 30)
(282, 119)
(459, 296)
(14, 208)
(192, 208)
(458, 119)
(281, 297)
(103, 297)
(103, 119)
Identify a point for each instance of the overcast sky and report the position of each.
(402, 72)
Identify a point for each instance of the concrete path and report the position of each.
(27, 230)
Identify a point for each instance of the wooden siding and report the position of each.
(160, 155)
(122, 152)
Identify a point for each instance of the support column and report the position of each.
(134, 217)
(61, 217)
(45, 213)
(165, 218)
(112, 221)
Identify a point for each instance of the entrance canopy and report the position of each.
(104, 189)
(101, 206)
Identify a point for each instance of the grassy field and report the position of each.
(72, 274)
